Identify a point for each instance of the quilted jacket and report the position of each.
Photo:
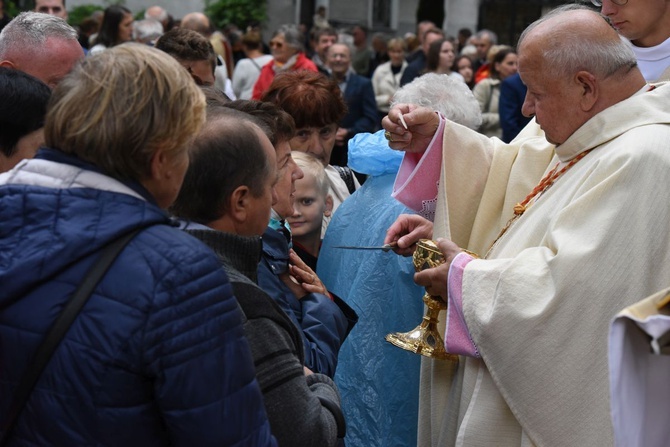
(324, 323)
(157, 355)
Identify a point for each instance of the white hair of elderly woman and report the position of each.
(451, 97)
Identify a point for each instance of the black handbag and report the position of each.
(58, 330)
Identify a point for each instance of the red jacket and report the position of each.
(483, 72)
(268, 74)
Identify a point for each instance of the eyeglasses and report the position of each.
(599, 3)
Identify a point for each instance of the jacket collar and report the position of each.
(57, 156)
(638, 110)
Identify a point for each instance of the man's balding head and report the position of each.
(157, 13)
(230, 179)
(575, 37)
(574, 65)
(41, 45)
(197, 22)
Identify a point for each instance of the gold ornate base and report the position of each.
(425, 339)
(422, 340)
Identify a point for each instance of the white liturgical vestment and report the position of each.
(539, 307)
(639, 360)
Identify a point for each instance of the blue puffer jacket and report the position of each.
(324, 324)
(157, 356)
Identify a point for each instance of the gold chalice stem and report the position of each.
(425, 338)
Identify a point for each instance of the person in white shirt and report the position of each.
(386, 77)
(247, 70)
(646, 24)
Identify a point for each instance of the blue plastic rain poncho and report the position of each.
(379, 382)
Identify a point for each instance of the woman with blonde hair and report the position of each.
(156, 355)
(386, 77)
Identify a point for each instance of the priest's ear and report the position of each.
(589, 89)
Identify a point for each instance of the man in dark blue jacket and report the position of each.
(512, 96)
(360, 98)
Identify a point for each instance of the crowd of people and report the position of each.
(179, 207)
(246, 64)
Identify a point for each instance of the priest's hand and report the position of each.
(406, 231)
(421, 122)
(435, 279)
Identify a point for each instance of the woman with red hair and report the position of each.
(315, 102)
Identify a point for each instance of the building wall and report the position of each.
(407, 17)
(459, 13)
(349, 12)
(279, 12)
(178, 8)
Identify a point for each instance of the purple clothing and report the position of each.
(457, 339)
(406, 190)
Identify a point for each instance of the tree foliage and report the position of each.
(77, 14)
(12, 8)
(238, 12)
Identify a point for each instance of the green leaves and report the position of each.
(238, 12)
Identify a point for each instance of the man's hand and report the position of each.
(421, 126)
(406, 231)
(435, 279)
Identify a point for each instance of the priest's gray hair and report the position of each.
(30, 30)
(568, 52)
(451, 97)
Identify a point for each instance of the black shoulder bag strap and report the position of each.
(347, 175)
(59, 329)
(257, 66)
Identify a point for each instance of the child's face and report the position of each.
(309, 206)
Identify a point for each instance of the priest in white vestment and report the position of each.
(531, 319)
(639, 362)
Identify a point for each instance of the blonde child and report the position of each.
(312, 201)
